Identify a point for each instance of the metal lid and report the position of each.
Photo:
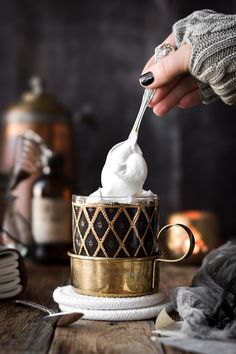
(36, 104)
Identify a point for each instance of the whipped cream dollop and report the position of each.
(124, 172)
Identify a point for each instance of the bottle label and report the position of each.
(51, 220)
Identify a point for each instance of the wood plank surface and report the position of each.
(23, 330)
(98, 337)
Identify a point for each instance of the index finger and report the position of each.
(171, 40)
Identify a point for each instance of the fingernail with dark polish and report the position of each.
(146, 79)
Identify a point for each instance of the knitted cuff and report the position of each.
(213, 61)
(208, 95)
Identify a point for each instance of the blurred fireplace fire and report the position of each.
(205, 227)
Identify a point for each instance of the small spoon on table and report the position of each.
(61, 319)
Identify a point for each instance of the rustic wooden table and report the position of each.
(23, 330)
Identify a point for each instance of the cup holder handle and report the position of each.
(185, 255)
(191, 242)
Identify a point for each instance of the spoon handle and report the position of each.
(34, 305)
(147, 96)
(160, 52)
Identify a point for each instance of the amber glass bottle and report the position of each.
(51, 214)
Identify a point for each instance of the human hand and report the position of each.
(171, 79)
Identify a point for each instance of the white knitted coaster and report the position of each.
(109, 309)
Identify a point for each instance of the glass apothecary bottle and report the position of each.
(51, 214)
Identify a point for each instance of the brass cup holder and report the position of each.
(121, 277)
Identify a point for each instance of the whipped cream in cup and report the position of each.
(124, 172)
(120, 219)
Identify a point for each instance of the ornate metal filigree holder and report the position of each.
(116, 250)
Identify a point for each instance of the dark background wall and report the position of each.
(91, 54)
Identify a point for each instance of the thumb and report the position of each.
(168, 68)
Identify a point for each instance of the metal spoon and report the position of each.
(61, 319)
(160, 52)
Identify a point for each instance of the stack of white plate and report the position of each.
(10, 275)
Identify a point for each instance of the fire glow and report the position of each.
(204, 226)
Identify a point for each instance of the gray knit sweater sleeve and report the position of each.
(213, 61)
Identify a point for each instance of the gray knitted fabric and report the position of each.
(213, 61)
(197, 304)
